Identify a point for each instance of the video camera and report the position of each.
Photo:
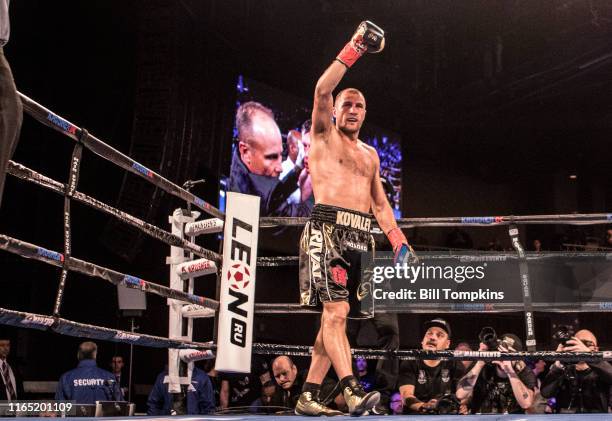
(563, 334)
(446, 405)
(488, 336)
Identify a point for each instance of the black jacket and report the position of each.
(273, 192)
(18, 381)
(579, 391)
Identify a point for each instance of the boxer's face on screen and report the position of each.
(262, 151)
(349, 111)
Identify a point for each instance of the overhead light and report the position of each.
(573, 176)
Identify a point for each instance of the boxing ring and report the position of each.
(493, 417)
(185, 306)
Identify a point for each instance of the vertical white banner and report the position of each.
(237, 299)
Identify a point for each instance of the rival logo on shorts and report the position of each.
(315, 246)
(239, 274)
(349, 219)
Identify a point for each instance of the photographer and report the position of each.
(500, 386)
(581, 387)
(428, 386)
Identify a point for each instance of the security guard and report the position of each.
(199, 397)
(88, 383)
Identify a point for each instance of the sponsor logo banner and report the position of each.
(235, 330)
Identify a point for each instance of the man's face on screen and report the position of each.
(262, 151)
(5, 348)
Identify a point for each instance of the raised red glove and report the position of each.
(368, 37)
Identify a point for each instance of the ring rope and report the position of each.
(25, 173)
(71, 328)
(82, 330)
(447, 308)
(32, 251)
(69, 189)
(526, 291)
(462, 221)
(482, 256)
(105, 151)
(421, 354)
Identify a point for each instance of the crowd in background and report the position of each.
(417, 386)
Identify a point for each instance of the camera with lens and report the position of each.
(488, 336)
(563, 334)
(448, 405)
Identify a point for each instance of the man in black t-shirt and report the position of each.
(290, 382)
(366, 378)
(502, 386)
(240, 390)
(582, 387)
(423, 383)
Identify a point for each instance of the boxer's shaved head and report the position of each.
(349, 111)
(348, 91)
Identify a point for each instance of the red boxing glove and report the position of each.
(403, 253)
(368, 37)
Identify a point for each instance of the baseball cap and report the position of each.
(441, 323)
(513, 341)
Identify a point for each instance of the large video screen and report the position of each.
(290, 112)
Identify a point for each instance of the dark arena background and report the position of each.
(485, 107)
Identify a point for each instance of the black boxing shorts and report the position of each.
(336, 250)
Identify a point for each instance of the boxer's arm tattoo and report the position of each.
(525, 395)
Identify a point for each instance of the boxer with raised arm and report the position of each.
(346, 186)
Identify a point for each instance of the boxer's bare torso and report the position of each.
(342, 167)
(342, 171)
